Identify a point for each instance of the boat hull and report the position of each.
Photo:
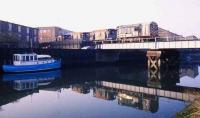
(31, 68)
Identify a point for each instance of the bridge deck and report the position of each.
(151, 45)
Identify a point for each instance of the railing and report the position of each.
(149, 43)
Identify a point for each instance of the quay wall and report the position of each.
(77, 57)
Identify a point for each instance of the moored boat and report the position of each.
(31, 62)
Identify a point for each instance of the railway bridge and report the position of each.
(153, 44)
(153, 47)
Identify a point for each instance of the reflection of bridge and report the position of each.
(151, 91)
(129, 85)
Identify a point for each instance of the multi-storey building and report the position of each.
(51, 34)
(19, 32)
(191, 37)
(165, 33)
(77, 35)
(85, 36)
(104, 34)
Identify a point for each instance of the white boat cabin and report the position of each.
(31, 83)
(31, 59)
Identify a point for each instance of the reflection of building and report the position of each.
(81, 88)
(191, 71)
(138, 100)
(102, 93)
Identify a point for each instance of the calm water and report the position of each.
(119, 91)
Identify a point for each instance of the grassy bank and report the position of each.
(193, 109)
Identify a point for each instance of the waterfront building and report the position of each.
(19, 32)
(165, 33)
(85, 36)
(52, 34)
(104, 34)
(76, 35)
(146, 30)
(191, 37)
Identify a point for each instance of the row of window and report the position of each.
(25, 58)
(20, 29)
(26, 85)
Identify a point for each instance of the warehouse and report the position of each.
(19, 32)
(51, 34)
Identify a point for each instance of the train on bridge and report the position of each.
(140, 32)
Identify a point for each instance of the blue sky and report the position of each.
(179, 16)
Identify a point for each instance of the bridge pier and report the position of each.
(154, 68)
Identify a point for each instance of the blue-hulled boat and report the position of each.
(31, 62)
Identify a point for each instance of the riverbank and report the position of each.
(192, 110)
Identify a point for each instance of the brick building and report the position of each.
(103, 34)
(52, 34)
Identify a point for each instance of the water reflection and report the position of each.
(81, 88)
(31, 81)
(128, 86)
(189, 76)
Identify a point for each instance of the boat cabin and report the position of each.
(21, 85)
(30, 59)
(25, 57)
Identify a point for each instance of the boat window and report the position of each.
(16, 58)
(27, 85)
(23, 85)
(31, 58)
(35, 57)
(27, 58)
(44, 58)
(23, 58)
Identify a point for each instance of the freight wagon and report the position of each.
(136, 31)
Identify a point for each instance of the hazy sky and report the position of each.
(179, 16)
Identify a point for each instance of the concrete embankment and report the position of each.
(192, 110)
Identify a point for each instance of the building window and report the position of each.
(27, 38)
(35, 39)
(35, 32)
(10, 27)
(27, 30)
(19, 29)
(44, 31)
